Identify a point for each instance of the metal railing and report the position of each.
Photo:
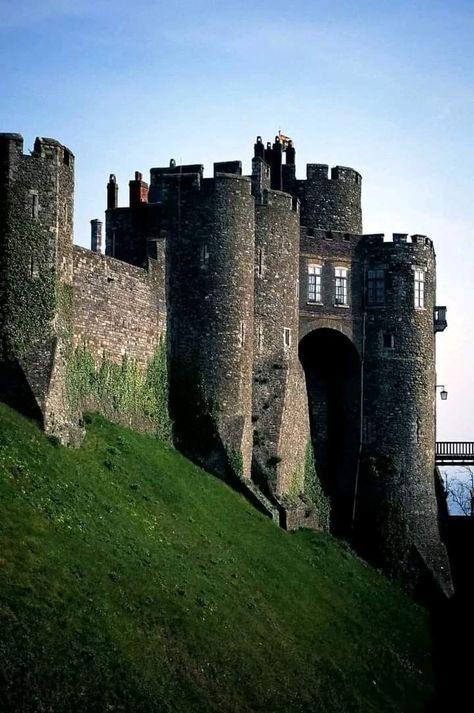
(455, 452)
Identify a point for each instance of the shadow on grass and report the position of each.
(16, 392)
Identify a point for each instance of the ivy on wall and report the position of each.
(123, 392)
(236, 462)
(314, 490)
(29, 291)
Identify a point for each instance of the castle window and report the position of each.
(388, 341)
(260, 262)
(341, 286)
(376, 286)
(287, 337)
(204, 257)
(34, 205)
(314, 283)
(242, 334)
(419, 287)
(260, 338)
(34, 269)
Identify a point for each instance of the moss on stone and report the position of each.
(124, 392)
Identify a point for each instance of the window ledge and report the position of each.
(342, 306)
(314, 303)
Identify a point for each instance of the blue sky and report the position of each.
(385, 87)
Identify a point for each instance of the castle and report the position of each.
(300, 353)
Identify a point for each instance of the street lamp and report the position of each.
(443, 393)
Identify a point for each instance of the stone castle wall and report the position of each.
(118, 308)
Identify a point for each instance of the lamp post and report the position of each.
(443, 393)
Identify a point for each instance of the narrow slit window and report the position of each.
(341, 286)
(34, 268)
(314, 283)
(260, 262)
(242, 334)
(204, 257)
(34, 205)
(260, 337)
(287, 337)
(419, 287)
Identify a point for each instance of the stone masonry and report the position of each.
(300, 352)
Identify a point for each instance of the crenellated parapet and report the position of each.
(330, 202)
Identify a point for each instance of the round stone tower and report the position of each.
(211, 254)
(280, 411)
(396, 503)
(330, 203)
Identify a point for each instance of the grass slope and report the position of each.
(130, 580)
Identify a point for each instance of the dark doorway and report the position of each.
(332, 369)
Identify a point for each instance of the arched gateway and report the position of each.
(332, 370)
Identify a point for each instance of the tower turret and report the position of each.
(396, 503)
(37, 272)
(211, 227)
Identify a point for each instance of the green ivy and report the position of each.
(28, 293)
(314, 489)
(297, 482)
(236, 461)
(123, 392)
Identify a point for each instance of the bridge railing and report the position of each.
(455, 451)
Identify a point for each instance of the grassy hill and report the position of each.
(130, 580)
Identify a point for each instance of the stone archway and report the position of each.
(332, 370)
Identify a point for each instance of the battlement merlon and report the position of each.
(166, 178)
(280, 200)
(44, 148)
(320, 171)
(398, 239)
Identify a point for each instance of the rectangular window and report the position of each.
(388, 341)
(376, 286)
(419, 287)
(341, 285)
(287, 337)
(314, 283)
